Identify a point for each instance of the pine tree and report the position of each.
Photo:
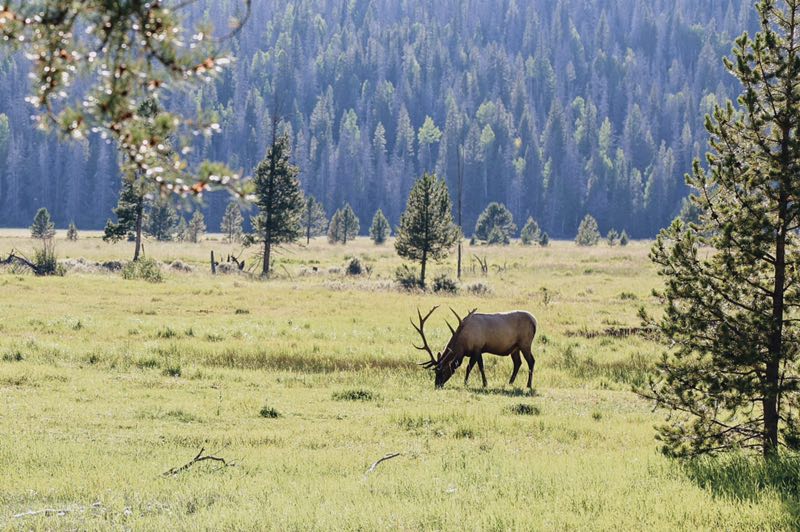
(611, 237)
(162, 220)
(544, 240)
(232, 222)
(43, 226)
(495, 225)
(72, 232)
(196, 229)
(130, 209)
(623, 238)
(588, 233)
(315, 222)
(279, 200)
(731, 380)
(380, 228)
(182, 230)
(530, 232)
(344, 225)
(426, 231)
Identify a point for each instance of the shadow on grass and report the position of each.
(506, 392)
(307, 363)
(745, 478)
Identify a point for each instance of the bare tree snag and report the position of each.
(375, 465)
(199, 458)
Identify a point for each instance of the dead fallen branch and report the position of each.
(17, 258)
(375, 465)
(57, 511)
(199, 458)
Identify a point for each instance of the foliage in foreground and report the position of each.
(731, 381)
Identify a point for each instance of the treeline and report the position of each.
(556, 108)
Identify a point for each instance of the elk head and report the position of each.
(446, 363)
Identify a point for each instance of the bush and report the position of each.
(443, 283)
(544, 240)
(357, 394)
(530, 233)
(588, 233)
(354, 267)
(623, 238)
(406, 277)
(143, 269)
(479, 289)
(268, 412)
(72, 232)
(46, 261)
(524, 409)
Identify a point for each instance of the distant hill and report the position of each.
(562, 107)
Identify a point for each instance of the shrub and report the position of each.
(623, 238)
(524, 409)
(406, 277)
(530, 233)
(72, 232)
(354, 267)
(46, 261)
(588, 233)
(544, 240)
(443, 283)
(268, 412)
(612, 236)
(172, 370)
(479, 288)
(357, 394)
(143, 269)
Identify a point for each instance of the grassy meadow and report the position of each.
(306, 380)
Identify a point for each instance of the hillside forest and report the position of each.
(556, 108)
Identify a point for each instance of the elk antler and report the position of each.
(421, 330)
(460, 321)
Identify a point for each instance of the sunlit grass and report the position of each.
(305, 380)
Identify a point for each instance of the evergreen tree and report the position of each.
(344, 225)
(623, 238)
(379, 230)
(731, 380)
(315, 222)
(588, 233)
(43, 226)
(130, 216)
(426, 231)
(544, 240)
(162, 220)
(611, 237)
(196, 229)
(182, 230)
(72, 232)
(530, 232)
(130, 209)
(232, 222)
(279, 200)
(497, 219)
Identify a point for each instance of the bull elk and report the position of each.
(502, 334)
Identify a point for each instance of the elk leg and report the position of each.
(469, 368)
(517, 364)
(526, 352)
(480, 367)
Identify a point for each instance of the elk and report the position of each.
(502, 334)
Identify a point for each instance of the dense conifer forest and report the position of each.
(560, 108)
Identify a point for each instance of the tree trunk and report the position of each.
(265, 258)
(139, 215)
(422, 269)
(772, 377)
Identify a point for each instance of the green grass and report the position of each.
(92, 415)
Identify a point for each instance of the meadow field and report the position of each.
(302, 382)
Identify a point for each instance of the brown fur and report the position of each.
(502, 334)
